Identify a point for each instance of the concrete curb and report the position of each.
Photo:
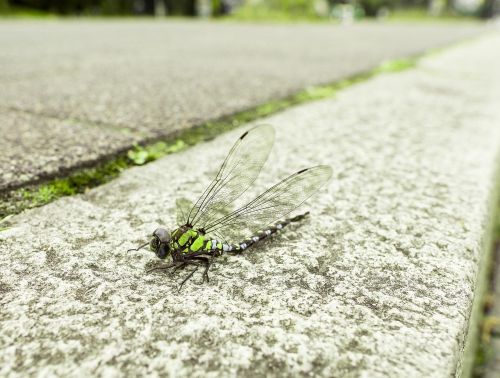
(380, 281)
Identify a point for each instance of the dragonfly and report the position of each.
(210, 228)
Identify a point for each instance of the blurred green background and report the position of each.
(255, 10)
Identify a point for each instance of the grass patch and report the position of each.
(31, 196)
(37, 195)
(15, 11)
(396, 65)
(422, 15)
(276, 11)
(490, 324)
(284, 11)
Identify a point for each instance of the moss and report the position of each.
(396, 65)
(37, 195)
(140, 155)
(479, 352)
(77, 182)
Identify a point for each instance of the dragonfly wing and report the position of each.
(238, 171)
(272, 205)
(183, 207)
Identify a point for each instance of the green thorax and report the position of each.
(186, 240)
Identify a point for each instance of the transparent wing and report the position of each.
(183, 207)
(272, 205)
(238, 171)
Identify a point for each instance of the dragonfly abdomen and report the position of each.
(262, 235)
(188, 241)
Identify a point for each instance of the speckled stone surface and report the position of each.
(378, 282)
(151, 78)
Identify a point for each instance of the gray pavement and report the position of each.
(380, 281)
(38, 147)
(144, 79)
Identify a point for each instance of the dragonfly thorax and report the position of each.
(185, 239)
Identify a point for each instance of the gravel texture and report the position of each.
(379, 281)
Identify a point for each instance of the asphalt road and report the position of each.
(74, 92)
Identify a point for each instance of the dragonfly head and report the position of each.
(160, 243)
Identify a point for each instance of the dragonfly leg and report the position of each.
(163, 267)
(180, 266)
(206, 262)
(188, 277)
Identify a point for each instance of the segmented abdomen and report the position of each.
(258, 237)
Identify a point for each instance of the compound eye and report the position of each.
(163, 251)
(154, 244)
(162, 234)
